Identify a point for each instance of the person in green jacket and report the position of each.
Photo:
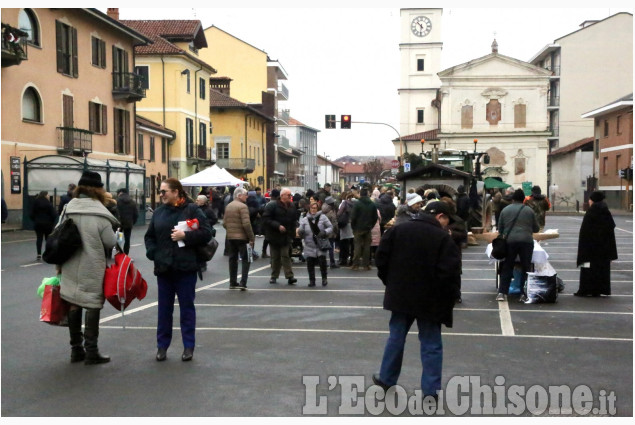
(363, 219)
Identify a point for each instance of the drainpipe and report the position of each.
(196, 111)
(246, 141)
(167, 153)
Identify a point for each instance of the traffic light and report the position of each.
(345, 122)
(329, 121)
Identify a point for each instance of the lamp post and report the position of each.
(423, 141)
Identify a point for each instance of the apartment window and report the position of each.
(605, 166)
(66, 45)
(467, 116)
(188, 81)
(31, 105)
(140, 146)
(420, 116)
(122, 131)
(97, 118)
(618, 160)
(164, 150)
(189, 137)
(143, 72)
(222, 150)
(420, 65)
(28, 23)
(606, 128)
(152, 149)
(618, 121)
(520, 116)
(99, 52)
(202, 88)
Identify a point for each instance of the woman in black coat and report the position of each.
(596, 248)
(44, 217)
(175, 266)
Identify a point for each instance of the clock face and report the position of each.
(421, 26)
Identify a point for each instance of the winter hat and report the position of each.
(90, 179)
(536, 190)
(597, 196)
(413, 199)
(330, 200)
(275, 193)
(438, 207)
(410, 196)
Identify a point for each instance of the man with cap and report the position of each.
(363, 219)
(419, 264)
(539, 203)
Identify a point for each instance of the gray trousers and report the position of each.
(280, 257)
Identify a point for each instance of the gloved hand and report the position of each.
(322, 234)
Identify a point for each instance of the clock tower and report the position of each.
(420, 49)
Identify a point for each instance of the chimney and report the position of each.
(113, 12)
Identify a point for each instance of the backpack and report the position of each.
(63, 242)
(343, 216)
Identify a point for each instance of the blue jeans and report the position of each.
(181, 284)
(431, 349)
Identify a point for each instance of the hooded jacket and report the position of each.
(82, 280)
(364, 215)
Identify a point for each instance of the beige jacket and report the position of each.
(236, 222)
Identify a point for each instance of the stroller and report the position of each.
(296, 250)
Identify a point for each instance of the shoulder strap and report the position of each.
(514, 222)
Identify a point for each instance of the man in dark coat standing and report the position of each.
(596, 248)
(280, 221)
(363, 219)
(386, 208)
(66, 198)
(420, 266)
(128, 215)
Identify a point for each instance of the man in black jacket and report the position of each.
(280, 221)
(128, 215)
(66, 198)
(386, 208)
(420, 266)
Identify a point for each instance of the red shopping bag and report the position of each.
(54, 310)
(123, 282)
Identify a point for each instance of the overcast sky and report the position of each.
(346, 60)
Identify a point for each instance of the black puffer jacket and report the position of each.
(275, 215)
(420, 266)
(160, 248)
(386, 208)
(128, 211)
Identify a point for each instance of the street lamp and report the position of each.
(423, 141)
(475, 142)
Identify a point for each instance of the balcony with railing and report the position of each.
(295, 170)
(553, 101)
(555, 70)
(242, 165)
(283, 116)
(127, 86)
(555, 132)
(14, 46)
(283, 92)
(74, 141)
(283, 141)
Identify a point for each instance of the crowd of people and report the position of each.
(361, 228)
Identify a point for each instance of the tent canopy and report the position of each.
(492, 183)
(212, 176)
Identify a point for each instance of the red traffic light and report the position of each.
(345, 121)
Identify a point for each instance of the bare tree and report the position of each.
(373, 170)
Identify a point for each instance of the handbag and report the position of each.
(54, 309)
(206, 252)
(323, 244)
(63, 242)
(499, 244)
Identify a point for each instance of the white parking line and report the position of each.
(31, 265)
(507, 326)
(356, 331)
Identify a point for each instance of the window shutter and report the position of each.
(115, 60)
(91, 116)
(59, 46)
(74, 52)
(127, 131)
(117, 133)
(125, 68)
(140, 146)
(104, 121)
(102, 51)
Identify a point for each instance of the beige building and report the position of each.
(589, 67)
(70, 98)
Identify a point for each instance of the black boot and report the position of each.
(323, 270)
(91, 335)
(310, 268)
(77, 337)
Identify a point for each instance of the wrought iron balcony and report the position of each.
(74, 140)
(14, 46)
(243, 165)
(127, 86)
(555, 70)
(554, 101)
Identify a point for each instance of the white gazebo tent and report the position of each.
(212, 176)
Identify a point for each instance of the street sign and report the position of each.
(406, 167)
(394, 164)
(394, 171)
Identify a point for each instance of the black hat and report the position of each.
(275, 193)
(438, 207)
(597, 196)
(91, 179)
(519, 195)
(536, 190)
(327, 184)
